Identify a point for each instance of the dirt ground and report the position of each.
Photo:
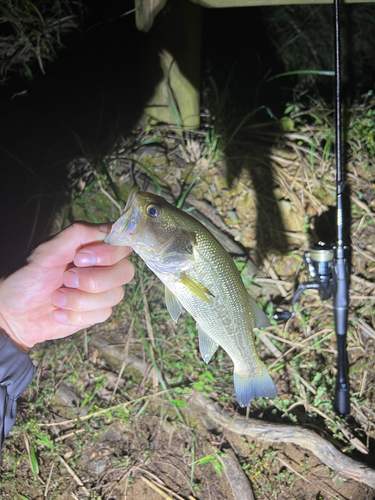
(147, 453)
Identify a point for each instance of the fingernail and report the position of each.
(59, 316)
(105, 228)
(85, 259)
(59, 298)
(71, 279)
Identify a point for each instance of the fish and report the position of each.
(200, 276)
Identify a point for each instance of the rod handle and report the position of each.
(342, 401)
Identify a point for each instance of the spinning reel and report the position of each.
(319, 262)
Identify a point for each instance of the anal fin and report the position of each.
(260, 318)
(207, 346)
(254, 387)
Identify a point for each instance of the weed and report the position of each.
(35, 34)
(216, 460)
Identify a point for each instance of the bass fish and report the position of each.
(200, 276)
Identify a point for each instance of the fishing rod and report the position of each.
(340, 269)
(327, 264)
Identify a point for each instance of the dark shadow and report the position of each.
(238, 56)
(88, 98)
(358, 49)
(270, 231)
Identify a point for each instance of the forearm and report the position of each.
(16, 373)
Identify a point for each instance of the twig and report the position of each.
(300, 475)
(156, 488)
(326, 417)
(49, 480)
(105, 410)
(74, 475)
(267, 342)
(192, 459)
(365, 327)
(362, 281)
(362, 252)
(303, 381)
(163, 487)
(119, 481)
(299, 345)
(279, 339)
(70, 434)
(150, 333)
(124, 362)
(111, 199)
(313, 198)
(362, 205)
(274, 276)
(27, 445)
(85, 342)
(272, 281)
(159, 481)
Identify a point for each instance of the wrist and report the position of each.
(7, 331)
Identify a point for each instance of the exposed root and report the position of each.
(237, 479)
(280, 433)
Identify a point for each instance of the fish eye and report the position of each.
(153, 210)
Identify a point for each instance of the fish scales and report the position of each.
(202, 277)
(226, 320)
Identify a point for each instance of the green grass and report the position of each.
(34, 34)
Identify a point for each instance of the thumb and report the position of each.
(61, 249)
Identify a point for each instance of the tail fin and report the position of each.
(254, 387)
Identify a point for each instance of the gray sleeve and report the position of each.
(16, 373)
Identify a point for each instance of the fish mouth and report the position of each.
(123, 229)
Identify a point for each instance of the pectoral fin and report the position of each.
(196, 287)
(207, 346)
(173, 304)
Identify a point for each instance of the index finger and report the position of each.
(100, 254)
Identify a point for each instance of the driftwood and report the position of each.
(280, 433)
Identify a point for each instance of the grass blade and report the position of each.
(154, 179)
(302, 72)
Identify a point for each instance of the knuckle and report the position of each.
(128, 269)
(79, 320)
(117, 294)
(108, 313)
(93, 284)
(80, 302)
(121, 294)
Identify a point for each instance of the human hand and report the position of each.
(70, 282)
